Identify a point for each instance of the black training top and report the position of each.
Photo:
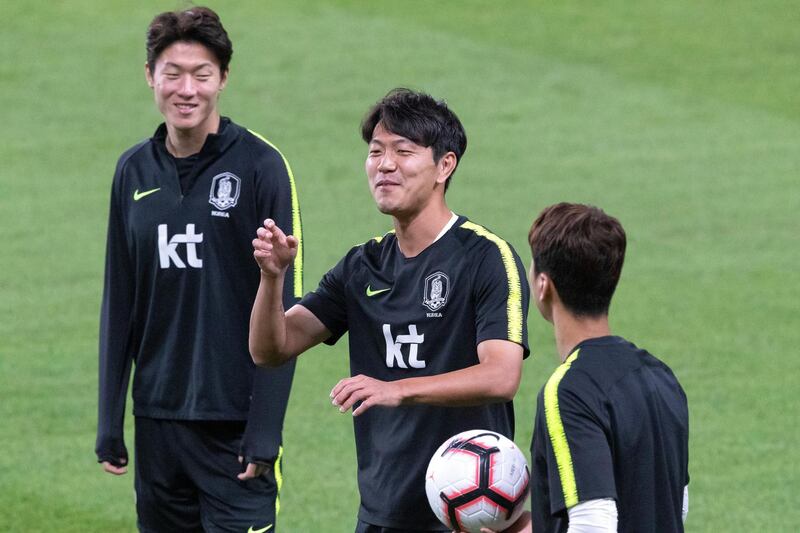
(420, 316)
(611, 422)
(180, 280)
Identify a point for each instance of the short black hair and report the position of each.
(582, 249)
(420, 118)
(197, 24)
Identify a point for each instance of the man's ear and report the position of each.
(447, 165)
(546, 295)
(148, 75)
(223, 81)
(544, 286)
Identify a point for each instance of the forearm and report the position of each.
(113, 375)
(593, 516)
(270, 397)
(268, 323)
(494, 379)
(112, 392)
(685, 506)
(474, 385)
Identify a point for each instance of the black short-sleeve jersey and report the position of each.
(420, 316)
(180, 281)
(611, 422)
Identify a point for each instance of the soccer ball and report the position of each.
(477, 479)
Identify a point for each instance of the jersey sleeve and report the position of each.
(270, 396)
(501, 295)
(115, 331)
(327, 301)
(579, 458)
(276, 199)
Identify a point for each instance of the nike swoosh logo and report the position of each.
(139, 195)
(262, 530)
(372, 293)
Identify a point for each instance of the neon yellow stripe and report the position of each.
(514, 302)
(558, 437)
(278, 480)
(297, 229)
(377, 239)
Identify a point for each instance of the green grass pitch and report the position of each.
(681, 118)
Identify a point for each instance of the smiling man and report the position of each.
(179, 286)
(435, 311)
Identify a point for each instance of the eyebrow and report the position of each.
(394, 143)
(206, 64)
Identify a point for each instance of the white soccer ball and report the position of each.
(477, 479)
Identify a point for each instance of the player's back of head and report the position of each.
(582, 250)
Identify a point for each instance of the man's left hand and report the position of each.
(253, 470)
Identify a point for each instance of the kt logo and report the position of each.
(394, 345)
(168, 249)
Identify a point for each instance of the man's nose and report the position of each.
(186, 87)
(387, 163)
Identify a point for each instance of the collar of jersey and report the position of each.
(447, 227)
(215, 142)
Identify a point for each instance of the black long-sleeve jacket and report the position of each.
(180, 281)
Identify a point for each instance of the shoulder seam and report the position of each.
(130, 152)
(514, 301)
(380, 238)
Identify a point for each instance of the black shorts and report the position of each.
(186, 479)
(364, 527)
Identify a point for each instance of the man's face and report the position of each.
(186, 82)
(403, 176)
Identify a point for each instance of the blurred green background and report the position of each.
(680, 118)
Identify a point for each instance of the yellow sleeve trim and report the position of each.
(297, 229)
(558, 438)
(514, 302)
(278, 469)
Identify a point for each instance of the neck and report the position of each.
(571, 330)
(418, 231)
(183, 143)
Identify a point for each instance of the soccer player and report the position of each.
(179, 286)
(435, 311)
(610, 443)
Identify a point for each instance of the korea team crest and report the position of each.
(437, 289)
(225, 190)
